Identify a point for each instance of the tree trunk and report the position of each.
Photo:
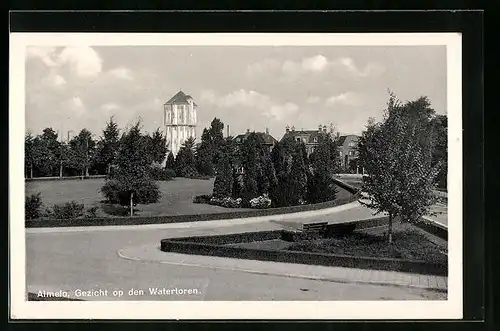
(131, 204)
(82, 173)
(31, 170)
(60, 170)
(86, 171)
(389, 232)
(109, 169)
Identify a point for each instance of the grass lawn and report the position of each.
(177, 196)
(176, 199)
(409, 243)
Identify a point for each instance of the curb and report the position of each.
(267, 273)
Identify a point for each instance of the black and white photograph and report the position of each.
(236, 175)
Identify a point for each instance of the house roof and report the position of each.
(350, 137)
(310, 135)
(268, 139)
(180, 98)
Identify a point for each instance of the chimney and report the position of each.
(287, 128)
(267, 130)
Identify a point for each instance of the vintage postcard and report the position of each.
(235, 176)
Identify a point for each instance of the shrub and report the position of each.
(114, 192)
(68, 210)
(157, 172)
(226, 202)
(204, 198)
(33, 206)
(260, 202)
(169, 173)
(91, 212)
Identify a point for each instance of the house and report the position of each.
(179, 118)
(348, 149)
(308, 137)
(269, 141)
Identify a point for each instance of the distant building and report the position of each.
(308, 137)
(348, 152)
(179, 118)
(269, 141)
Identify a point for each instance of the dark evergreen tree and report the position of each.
(185, 160)
(107, 147)
(251, 168)
(321, 186)
(223, 184)
(211, 140)
(157, 146)
(170, 164)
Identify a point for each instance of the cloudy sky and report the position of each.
(247, 87)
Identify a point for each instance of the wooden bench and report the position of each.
(314, 227)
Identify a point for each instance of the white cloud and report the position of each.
(348, 98)
(54, 80)
(84, 61)
(315, 64)
(122, 73)
(279, 112)
(46, 54)
(251, 100)
(262, 67)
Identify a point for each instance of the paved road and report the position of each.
(88, 259)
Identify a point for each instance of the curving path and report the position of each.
(88, 258)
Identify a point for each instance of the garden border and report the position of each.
(43, 179)
(166, 219)
(216, 246)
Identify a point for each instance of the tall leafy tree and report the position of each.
(131, 182)
(396, 156)
(439, 125)
(81, 149)
(50, 140)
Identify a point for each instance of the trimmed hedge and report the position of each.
(216, 246)
(136, 220)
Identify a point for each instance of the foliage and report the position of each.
(227, 202)
(68, 210)
(107, 147)
(396, 155)
(289, 160)
(157, 172)
(260, 202)
(156, 146)
(169, 174)
(170, 163)
(33, 206)
(439, 126)
(185, 160)
(324, 164)
(81, 150)
(91, 212)
(131, 181)
(211, 140)
(223, 184)
(204, 198)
